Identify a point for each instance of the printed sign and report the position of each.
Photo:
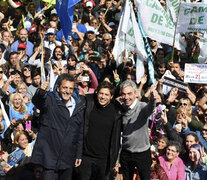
(175, 83)
(15, 157)
(195, 73)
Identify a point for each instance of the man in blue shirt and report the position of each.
(23, 35)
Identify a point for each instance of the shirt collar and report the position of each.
(72, 102)
(133, 104)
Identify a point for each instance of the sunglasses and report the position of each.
(184, 104)
(106, 39)
(1, 72)
(27, 69)
(204, 130)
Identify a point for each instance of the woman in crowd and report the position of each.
(22, 170)
(195, 169)
(22, 89)
(171, 163)
(2, 81)
(59, 57)
(94, 22)
(157, 172)
(77, 48)
(72, 60)
(162, 145)
(17, 108)
(87, 81)
(27, 75)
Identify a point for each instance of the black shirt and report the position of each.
(100, 129)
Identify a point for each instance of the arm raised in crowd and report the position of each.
(40, 95)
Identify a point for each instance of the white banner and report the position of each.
(192, 17)
(195, 73)
(157, 24)
(128, 36)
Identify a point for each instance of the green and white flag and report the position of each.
(128, 36)
(173, 6)
(192, 17)
(157, 23)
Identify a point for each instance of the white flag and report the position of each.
(157, 24)
(192, 17)
(128, 35)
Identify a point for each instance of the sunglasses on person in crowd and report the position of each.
(106, 39)
(184, 104)
(1, 72)
(204, 130)
(27, 69)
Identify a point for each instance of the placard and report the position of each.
(195, 73)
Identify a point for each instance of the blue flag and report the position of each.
(65, 12)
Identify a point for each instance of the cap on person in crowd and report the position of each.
(111, 24)
(90, 29)
(22, 46)
(50, 31)
(89, 4)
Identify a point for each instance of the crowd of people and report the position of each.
(74, 113)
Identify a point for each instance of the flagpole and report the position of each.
(105, 13)
(173, 48)
(42, 61)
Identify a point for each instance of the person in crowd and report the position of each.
(23, 35)
(157, 172)
(162, 144)
(2, 80)
(27, 75)
(11, 83)
(72, 60)
(87, 81)
(14, 62)
(101, 135)
(195, 168)
(22, 49)
(171, 163)
(22, 89)
(59, 58)
(61, 118)
(36, 81)
(17, 108)
(51, 42)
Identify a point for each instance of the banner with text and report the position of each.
(157, 24)
(195, 73)
(192, 17)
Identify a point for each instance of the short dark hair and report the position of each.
(66, 77)
(71, 68)
(176, 144)
(107, 85)
(36, 72)
(12, 53)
